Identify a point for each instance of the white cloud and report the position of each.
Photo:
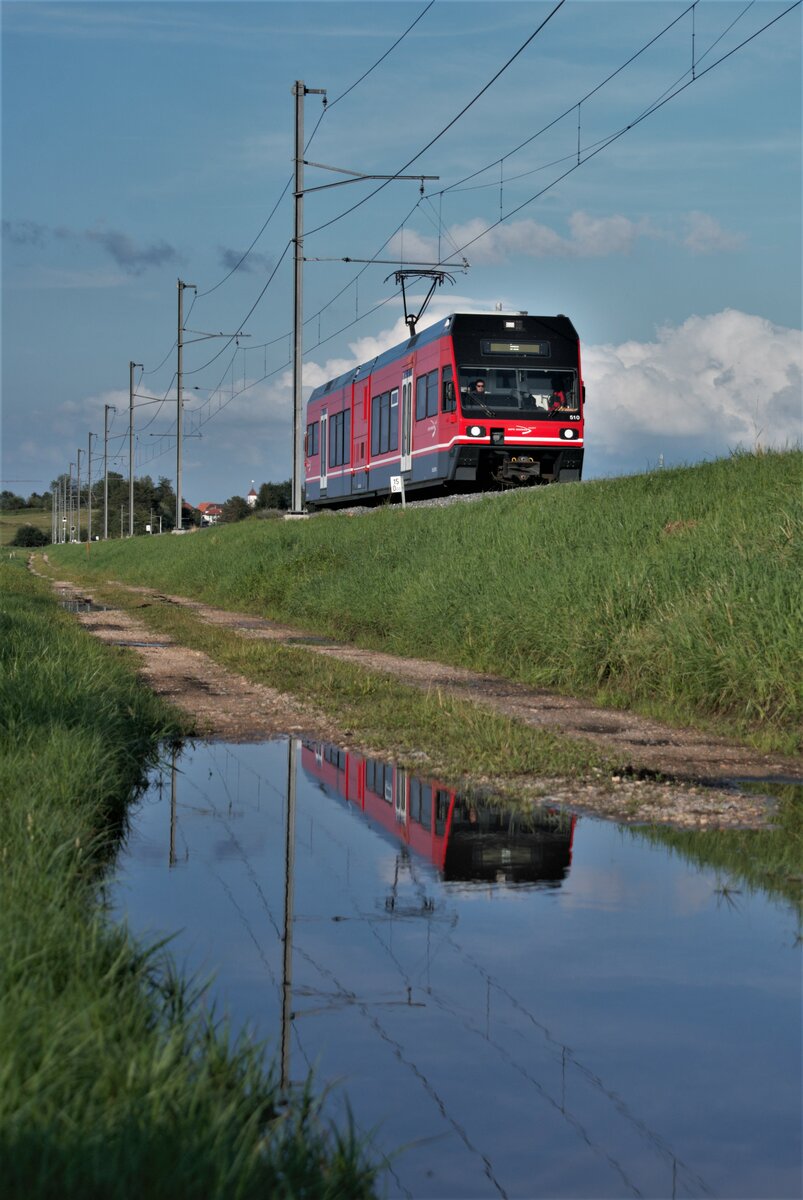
(588, 237)
(705, 235)
(701, 388)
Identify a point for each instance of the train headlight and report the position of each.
(476, 431)
(569, 434)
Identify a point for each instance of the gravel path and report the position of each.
(700, 771)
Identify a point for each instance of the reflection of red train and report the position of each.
(475, 402)
(462, 838)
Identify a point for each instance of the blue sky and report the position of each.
(143, 143)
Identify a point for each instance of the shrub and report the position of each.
(29, 535)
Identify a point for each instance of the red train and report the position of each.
(474, 402)
(463, 839)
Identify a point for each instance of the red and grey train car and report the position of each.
(474, 402)
(463, 839)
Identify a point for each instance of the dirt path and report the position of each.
(228, 706)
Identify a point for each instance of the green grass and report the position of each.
(674, 592)
(112, 1083)
(455, 738)
(770, 860)
(10, 522)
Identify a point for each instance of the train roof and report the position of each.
(486, 322)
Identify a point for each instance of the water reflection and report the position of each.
(535, 1009)
(463, 837)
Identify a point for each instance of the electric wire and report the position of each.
(446, 128)
(409, 28)
(496, 162)
(326, 108)
(595, 148)
(653, 108)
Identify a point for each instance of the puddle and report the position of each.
(522, 1006)
(78, 605)
(138, 645)
(309, 640)
(775, 786)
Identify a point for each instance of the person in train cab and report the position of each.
(558, 398)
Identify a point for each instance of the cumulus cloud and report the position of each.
(699, 389)
(587, 236)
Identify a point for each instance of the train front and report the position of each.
(521, 397)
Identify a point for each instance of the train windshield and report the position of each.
(508, 392)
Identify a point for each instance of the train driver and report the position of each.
(557, 400)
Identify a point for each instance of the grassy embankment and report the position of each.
(675, 593)
(112, 1084)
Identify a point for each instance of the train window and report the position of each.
(376, 405)
(312, 439)
(432, 394)
(339, 438)
(420, 397)
(426, 396)
(442, 802)
(530, 390)
(379, 779)
(448, 399)
(415, 800)
(393, 442)
(385, 422)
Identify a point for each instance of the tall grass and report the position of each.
(674, 592)
(770, 860)
(111, 1082)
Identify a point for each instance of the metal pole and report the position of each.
(179, 369)
(106, 408)
(70, 507)
(131, 366)
(299, 90)
(89, 490)
(78, 494)
(53, 516)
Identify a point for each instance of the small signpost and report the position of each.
(397, 485)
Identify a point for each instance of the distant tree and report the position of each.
(275, 495)
(9, 501)
(29, 535)
(236, 508)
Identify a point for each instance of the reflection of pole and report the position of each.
(172, 859)
(289, 860)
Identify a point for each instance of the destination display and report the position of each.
(537, 349)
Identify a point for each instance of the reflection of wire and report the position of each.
(563, 1051)
(566, 1051)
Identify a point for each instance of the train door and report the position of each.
(324, 450)
(407, 422)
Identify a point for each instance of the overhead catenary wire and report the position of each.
(447, 127)
(614, 137)
(423, 150)
(589, 152)
(458, 185)
(327, 106)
